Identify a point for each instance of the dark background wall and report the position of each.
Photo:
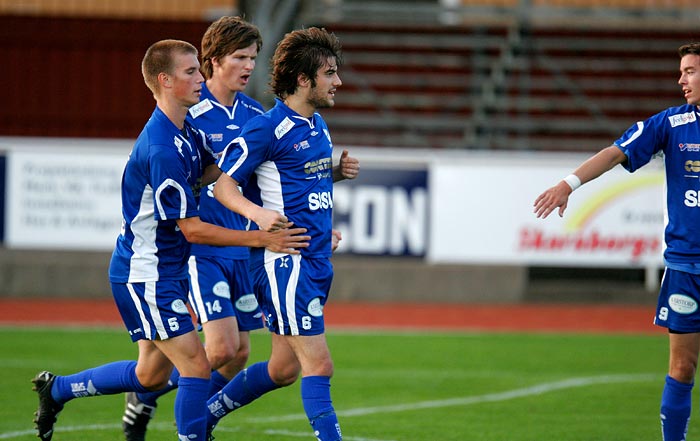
(80, 77)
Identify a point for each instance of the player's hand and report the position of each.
(554, 197)
(349, 166)
(287, 240)
(336, 237)
(270, 220)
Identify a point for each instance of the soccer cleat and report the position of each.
(48, 410)
(136, 418)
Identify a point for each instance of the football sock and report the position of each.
(676, 402)
(316, 398)
(112, 378)
(216, 383)
(190, 410)
(248, 385)
(149, 398)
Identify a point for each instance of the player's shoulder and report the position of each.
(200, 108)
(250, 104)
(679, 115)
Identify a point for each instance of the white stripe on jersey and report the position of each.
(635, 135)
(183, 198)
(143, 265)
(195, 294)
(137, 304)
(150, 296)
(270, 185)
(244, 147)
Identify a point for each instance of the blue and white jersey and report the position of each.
(221, 125)
(675, 132)
(284, 163)
(160, 184)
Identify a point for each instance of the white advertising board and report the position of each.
(63, 200)
(483, 213)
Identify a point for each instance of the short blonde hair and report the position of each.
(159, 59)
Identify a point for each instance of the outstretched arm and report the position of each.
(558, 196)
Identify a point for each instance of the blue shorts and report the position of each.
(222, 288)
(679, 297)
(292, 291)
(154, 310)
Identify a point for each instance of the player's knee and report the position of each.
(219, 357)
(683, 370)
(153, 380)
(285, 375)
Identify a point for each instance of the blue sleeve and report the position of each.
(642, 141)
(172, 193)
(245, 153)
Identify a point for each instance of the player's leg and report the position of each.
(256, 380)
(317, 370)
(676, 400)
(677, 310)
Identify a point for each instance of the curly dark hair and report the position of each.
(225, 36)
(303, 52)
(689, 49)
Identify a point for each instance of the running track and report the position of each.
(391, 316)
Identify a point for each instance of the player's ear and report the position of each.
(164, 79)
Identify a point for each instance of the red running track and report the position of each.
(399, 316)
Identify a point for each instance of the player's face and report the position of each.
(186, 79)
(690, 78)
(327, 81)
(233, 70)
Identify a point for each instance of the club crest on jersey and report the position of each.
(283, 127)
(302, 145)
(216, 137)
(681, 119)
(200, 108)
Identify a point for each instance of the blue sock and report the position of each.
(316, 398)
(190, 408)
(248, 385)
(216, 383)
(150, 397)
(676, 402)
(108, 379)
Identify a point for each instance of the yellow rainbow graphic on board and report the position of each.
(593, 205)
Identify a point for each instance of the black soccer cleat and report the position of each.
(136, 418)
(48, 410)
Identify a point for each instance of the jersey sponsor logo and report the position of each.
(692, 166)
(689, 147)
(283, 127)
(682, 304)
(681, 119)
(315, 308)
(302, 145)
(247, 303)
(692, 198)
(221, 289)
(201, 108)
(179, 307)
(320, 201)
(216, 137)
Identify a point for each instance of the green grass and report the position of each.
(387, 387)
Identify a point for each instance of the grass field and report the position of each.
(387, 387)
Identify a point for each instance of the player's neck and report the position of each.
(298, 104)
(175, 112)
(223, 94)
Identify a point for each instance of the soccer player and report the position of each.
(283, 160)
(675, 133)
(221, 292)
(148, 271)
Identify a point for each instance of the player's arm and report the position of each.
(287, 240)
(227, 193)
(347, 168)
(211, 174)
(558, 196)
